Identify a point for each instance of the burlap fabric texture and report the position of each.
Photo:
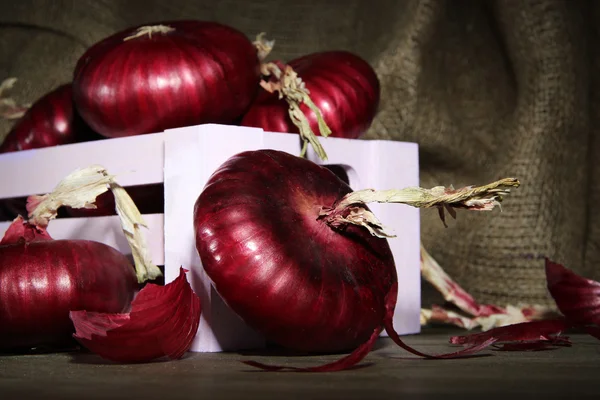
(487, 88)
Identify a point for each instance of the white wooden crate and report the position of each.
(183, 159)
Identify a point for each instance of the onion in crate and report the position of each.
(300, 258)
(50, 121)
(166, 75)
(342, 85)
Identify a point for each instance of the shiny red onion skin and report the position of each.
(51, 121)
(342, 85)
(202, 72)
(41, 282)
(287, 274)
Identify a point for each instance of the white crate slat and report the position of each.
(183, 159)
(135, 160)
(108, 231)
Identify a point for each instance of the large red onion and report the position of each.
(42, 280)
(51, 121)
(284, 241)
(285, 272)
(173, 74)
(343, 86)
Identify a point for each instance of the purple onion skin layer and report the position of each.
(202, 72)
(41, 282)
(289, 275)
(51, 121)
(342, 85)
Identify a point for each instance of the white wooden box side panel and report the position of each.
(135, 160)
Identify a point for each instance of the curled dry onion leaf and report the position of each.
(79, 190)
(9, 109)
(263, 46)
(452, 291)
(350, 210)
(486, 316)
(163, 321)
(285, 81)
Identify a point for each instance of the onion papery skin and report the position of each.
(286, 273)
(201, 72)
(342, 85)
(42, 281)
(50, 121)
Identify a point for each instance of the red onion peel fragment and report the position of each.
(163, 322)
(576, 297)
(532, 335)
(20, 231)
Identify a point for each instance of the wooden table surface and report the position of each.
(568, 372)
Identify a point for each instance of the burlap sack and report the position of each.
(487, 88)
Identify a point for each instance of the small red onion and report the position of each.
(50, 121)
(177, 73)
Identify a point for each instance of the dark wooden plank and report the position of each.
(563, 373)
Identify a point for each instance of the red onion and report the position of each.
(343, 86)
(51, 121)
(42, 280)
(151, 78)
(299, 256)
